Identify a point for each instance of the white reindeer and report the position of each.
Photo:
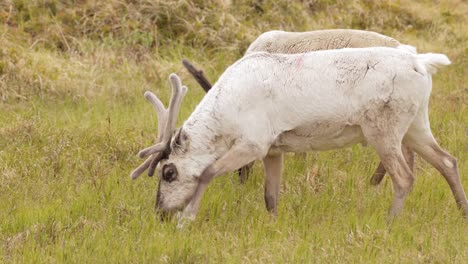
(300, 42)
(267, 104)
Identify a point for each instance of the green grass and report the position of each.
(72, 118)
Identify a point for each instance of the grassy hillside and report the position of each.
(72, 118)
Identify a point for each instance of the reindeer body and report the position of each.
(292, 103)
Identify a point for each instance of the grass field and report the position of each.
(73, 117)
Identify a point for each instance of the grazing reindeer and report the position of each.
(299, 42)
(267, 104)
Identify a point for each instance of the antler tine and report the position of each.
(160, 111)
(175, 108)
(151, 150)
(154, 100)
(178, 93)
(138, 171)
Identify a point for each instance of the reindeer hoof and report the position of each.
(184, 219)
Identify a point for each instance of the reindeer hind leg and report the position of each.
(380, 172)
(422, 141)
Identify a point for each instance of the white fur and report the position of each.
(266, 98)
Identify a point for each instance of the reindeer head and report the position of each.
(178, 157)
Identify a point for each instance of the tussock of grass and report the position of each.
(72, 118)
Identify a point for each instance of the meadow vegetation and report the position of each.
(73, 117)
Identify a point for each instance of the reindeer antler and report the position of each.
(167, 121)
(197, 74)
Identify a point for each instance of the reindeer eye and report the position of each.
(169, 172)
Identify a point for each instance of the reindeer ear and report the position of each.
(176, 140)
(183, 136)
(180, 142)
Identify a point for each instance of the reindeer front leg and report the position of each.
(239, 155)
(273, 165)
